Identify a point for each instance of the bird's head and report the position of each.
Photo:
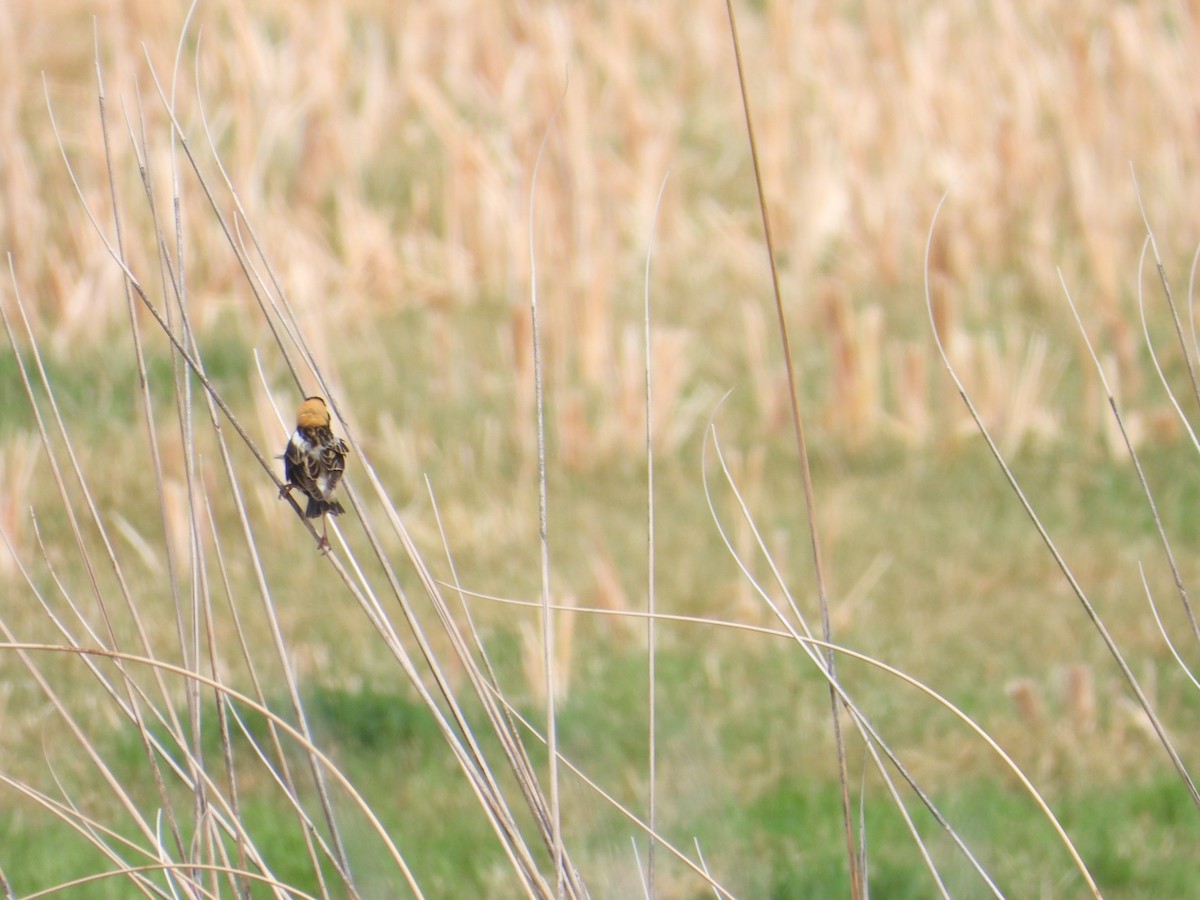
(313, 413)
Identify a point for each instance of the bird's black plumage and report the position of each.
(314, 462)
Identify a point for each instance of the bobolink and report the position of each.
(314, 462)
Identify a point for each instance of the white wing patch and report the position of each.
(323, 484)
(310, 455)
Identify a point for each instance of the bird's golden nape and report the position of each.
(313, 413)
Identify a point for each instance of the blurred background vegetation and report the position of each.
(383, 155)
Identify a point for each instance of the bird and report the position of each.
(314, 462)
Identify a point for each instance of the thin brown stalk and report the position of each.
(76, 730)
(187, 352)
(280, 761)
(145, 390)
(474, 765)
(105, 840)
(230, 823)
(177, 869)
(189, 627)
(177, 344)
(547, 616)
(1191, 301)
(856, 886)
(486, 684)
(230, 694)
(1180, 587)
(97, 593)
(1166, 286)
(612, 801)
(871, 736)
(469, 755)
(1162, 630)
(240, 888)
(1059, 560)
(183, 406)
(651, 607)
(238, 246)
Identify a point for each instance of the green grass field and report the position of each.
(375, 243)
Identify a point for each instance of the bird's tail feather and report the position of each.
(318, 508)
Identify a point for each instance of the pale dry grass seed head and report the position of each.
(307, 124)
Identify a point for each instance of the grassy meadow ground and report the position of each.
(376, 223)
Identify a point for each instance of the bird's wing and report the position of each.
(299, 469)
(333, 459)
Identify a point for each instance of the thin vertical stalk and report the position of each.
(856, 889)
(547, 614)
(651, 637)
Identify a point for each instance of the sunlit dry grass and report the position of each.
(384, 154)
